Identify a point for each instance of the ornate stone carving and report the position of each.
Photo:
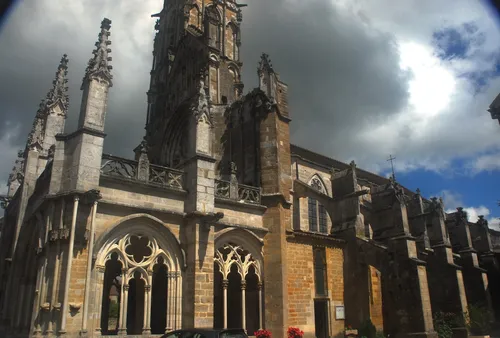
(4, 201)
(18, 169)
(230, 255)
(200, 106)
(99, 66)
(265, 64)
(53, 235)
(37, 133)
(482, 222)
(141, 156)
(222, 189)
(59, 91)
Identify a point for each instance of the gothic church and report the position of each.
(219, 221)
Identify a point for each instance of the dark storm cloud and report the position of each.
(341, 73)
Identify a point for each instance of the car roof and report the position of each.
(206, 330)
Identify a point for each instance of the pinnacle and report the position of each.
(59, 91)
(99, 63)
(265, 63)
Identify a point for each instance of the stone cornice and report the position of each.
(82, 130)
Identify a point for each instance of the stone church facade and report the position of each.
(218, 221)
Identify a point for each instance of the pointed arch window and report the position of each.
(214, 30)
(316, 211)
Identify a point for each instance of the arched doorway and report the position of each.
(238, 301)
(138, 280)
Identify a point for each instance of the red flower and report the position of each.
(295, 332)
(262, 334)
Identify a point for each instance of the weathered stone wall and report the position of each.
(240, 215)
(301, 286)
(142, 198)
(376, 313)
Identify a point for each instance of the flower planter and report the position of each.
(351, 333)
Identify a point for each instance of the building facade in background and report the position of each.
(218, 220)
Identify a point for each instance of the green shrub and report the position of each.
(478, 319)
(367, 329)
(114, 309)
(444, 323)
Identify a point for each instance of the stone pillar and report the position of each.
(123, 305)
(475, 278)
(198, 286)
(170, 302)
(197, 233)
(88, 140)
(406, 295)
(243, 304)
(88, 279)
(99, 290)
(123, 329)
(225, 284)
(259, 285)
(147, 309)
(276, 183)
(65, 305)
(446, 287)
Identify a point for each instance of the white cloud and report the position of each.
(453, 200)
(489, 162)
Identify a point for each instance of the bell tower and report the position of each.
(197, 41)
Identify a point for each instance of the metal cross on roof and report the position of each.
(392, 166)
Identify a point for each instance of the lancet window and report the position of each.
(317, 212)
(238, 287)
(139, 288)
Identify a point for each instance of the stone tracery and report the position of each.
(137, 266)
(238, 276)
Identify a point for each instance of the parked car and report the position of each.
(206, 333)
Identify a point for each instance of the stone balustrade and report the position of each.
(141, 171)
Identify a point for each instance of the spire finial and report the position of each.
(265, 64)
(59, 91)
(99, 64)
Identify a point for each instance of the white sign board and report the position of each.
(339, 312)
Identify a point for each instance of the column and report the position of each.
(147, 292)
(123, 315)
(243, 305)
(98, 292)
(88, 279)
(37, 313)
(178, 300)
(64, 311)
(125, 306)
(225, 283)
(170, 302)
(259, 286)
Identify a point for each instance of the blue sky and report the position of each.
(458, 184)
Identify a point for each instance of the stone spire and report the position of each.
(36, 135)
(265, 64)
(57, 94)
(59, 91)
(99, 64)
